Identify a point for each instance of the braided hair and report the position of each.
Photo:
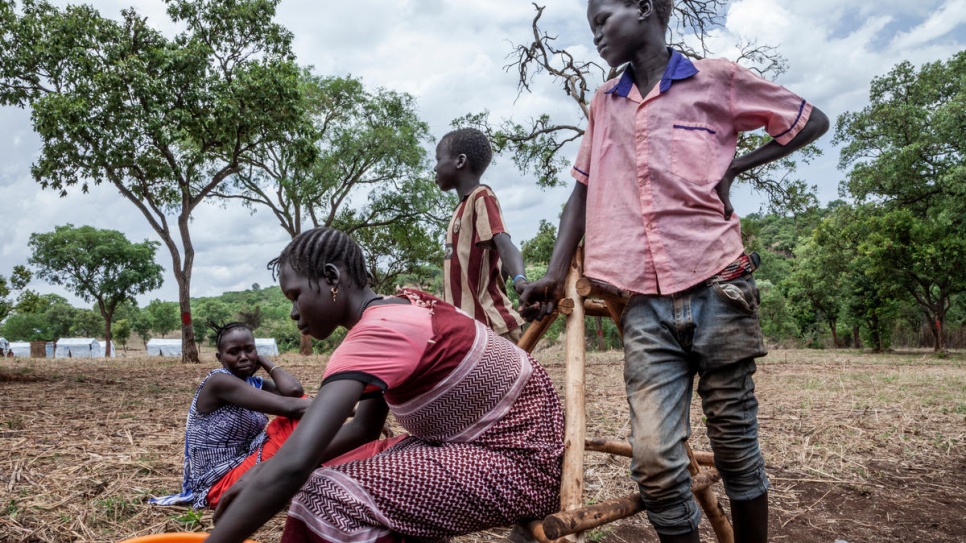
(472, 143)
(309, 252)
(221, 329)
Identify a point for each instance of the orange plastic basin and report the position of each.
(173, 537)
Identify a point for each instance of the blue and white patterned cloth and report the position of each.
(215, 443)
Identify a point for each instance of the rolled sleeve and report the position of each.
(759, 103)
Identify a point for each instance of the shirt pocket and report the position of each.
(694, 153)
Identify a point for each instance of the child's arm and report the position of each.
(281, 382)
(512, 260)
(539, 298)
(816, 126)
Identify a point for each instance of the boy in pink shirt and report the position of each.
(653, 173)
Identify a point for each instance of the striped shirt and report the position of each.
(472, 280)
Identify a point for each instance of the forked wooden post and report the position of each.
(572, 479)
(573, 519)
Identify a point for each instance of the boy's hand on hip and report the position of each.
(723, 188)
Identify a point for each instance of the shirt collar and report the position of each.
(678, 67)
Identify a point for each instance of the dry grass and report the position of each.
(860, 447)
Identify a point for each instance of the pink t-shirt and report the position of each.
(655, 224)
(380, 355)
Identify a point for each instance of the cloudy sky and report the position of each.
(450, 54)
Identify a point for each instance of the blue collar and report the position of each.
(678, 67)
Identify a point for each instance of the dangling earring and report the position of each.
(334, 292)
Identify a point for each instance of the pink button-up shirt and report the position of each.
(655, 224)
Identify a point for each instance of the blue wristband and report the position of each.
(519, 277)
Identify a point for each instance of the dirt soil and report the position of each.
(860, 448)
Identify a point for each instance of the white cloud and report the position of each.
(451, 54)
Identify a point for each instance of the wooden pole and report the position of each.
(572, 479)
(622, 448)
(709, 504)
(536, 331)
(586, 518)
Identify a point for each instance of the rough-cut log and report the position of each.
(709, 503)
(535, 331)
(572, 478)
(622, 448)
(578, 520)
(591, 288)
(596, 308)
(565, 306)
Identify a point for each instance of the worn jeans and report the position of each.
(711, 331)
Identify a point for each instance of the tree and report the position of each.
(539, 248)
(122, 331)
(163, 120)
(906, 160)
(19, 280)
(49, 317)
(369, 178)
(535, 145)
(99, 266)
(163, 316)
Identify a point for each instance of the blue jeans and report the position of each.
(711, 331)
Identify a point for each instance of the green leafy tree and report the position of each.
(165, 121)
(19, 280)
(906, 158)
(142, 327)
(369, 178)
(163, 316)
(539, 248)
(535, 146)
(50, 317)
(87, 323)
(99, 266)
(121, 332)
(209, 309)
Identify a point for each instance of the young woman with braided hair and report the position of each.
(227, 430)
(485, 424)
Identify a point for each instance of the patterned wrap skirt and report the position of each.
(431, 491)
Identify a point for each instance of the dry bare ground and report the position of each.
(859, 447)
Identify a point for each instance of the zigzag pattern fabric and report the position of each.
(477, 393)
(434, 491)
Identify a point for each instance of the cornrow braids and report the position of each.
(221, 329)
(309, 252)
(474, 144)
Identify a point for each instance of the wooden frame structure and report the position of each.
(586, 297)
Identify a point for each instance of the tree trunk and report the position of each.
(938, 341)
(600, 333)
(835, 335)
(305, 345)
(189, 350)
(107, 334)
(856, 337)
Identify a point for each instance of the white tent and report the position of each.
(164, 347)
(75, 347)
(20, 348)
(266, 346)
(4, 346)
(103, 345)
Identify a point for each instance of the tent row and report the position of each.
(172, 347)
(92, 348)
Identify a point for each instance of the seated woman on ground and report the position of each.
(228, 431)
(485, 422)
